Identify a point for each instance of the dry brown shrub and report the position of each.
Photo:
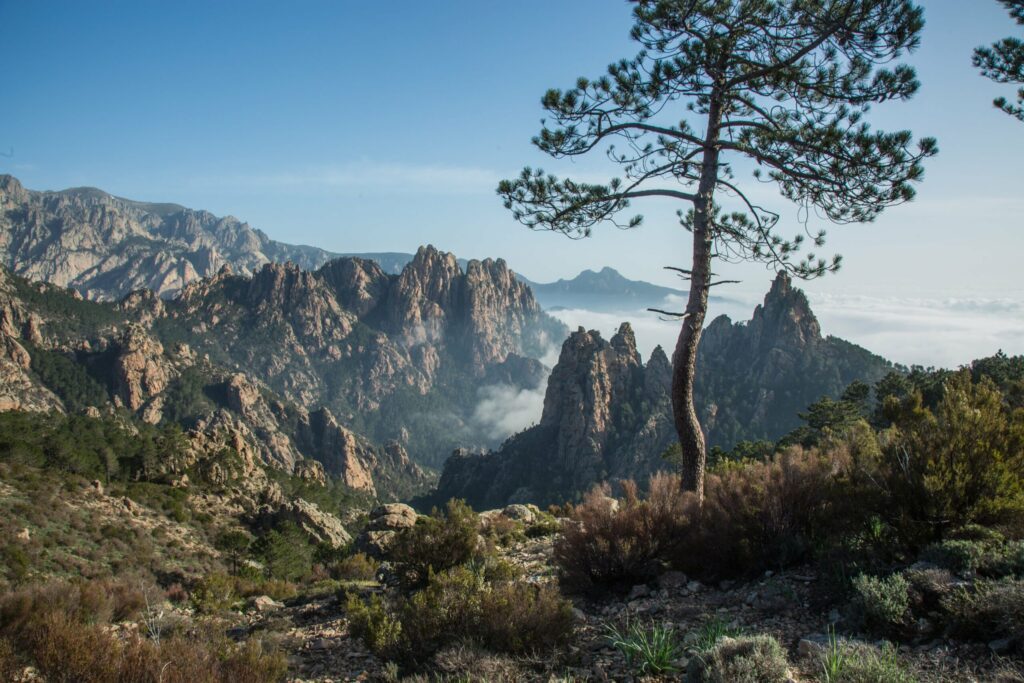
(619, 543)
(764, 514)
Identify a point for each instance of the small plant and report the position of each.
(651, 649)
(883, 603)
(214, 593)
(713, 631)
(987, 610)
(833, 659)
(858, 663)
(747, 659)
(357, 567)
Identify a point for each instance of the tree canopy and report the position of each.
(781, 86)
(1003, 62)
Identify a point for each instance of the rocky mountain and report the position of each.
(605, 290)
(754, 377)
(106, 246)
(607, 416)
(61, 353)
(398, 357)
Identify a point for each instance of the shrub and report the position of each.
(357, 567)
(713, 631)
(846, 662)
(882, 603)
(959, 465)
(9, 667)
(620, 543)
(545, 524)
(649, 649)
(436, 543)
(214, 593)
(748, 659)
(770, 514)
(460, 605)
(60, 630)
(987, 610)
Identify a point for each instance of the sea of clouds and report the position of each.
(940, 332)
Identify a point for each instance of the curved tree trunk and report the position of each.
(684, 359)
(684, 364)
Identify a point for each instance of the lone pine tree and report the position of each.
(781, 86)
(1003, 62)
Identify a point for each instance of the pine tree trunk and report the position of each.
(684, 359)
(684, 364)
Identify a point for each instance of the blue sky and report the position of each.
(381, 126)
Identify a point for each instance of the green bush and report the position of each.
(462, 605)
(648, 649)
(436, 543)
(958, 465)
(214, 593)
(987, 610)
(748, 659)
(846, 662)
(882, 603)
(356, 567)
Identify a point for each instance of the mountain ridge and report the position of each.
(607, 415)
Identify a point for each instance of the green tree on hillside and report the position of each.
(1003, 62)
(780, 87)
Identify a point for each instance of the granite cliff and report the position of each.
(607, 416)
(106, 246)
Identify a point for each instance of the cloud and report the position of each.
(943, 332)
(503, 409)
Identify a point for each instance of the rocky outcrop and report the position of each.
(605, 417)
(386, 522)
(140, 371)
(19, 389)
(365, 344)
(342, 453)
(320, 526)
(106, 246)
(608, 417)
(754, 377)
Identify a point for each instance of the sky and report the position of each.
(382, 126)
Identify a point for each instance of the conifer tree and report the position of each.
(779, 87)
(1003, 62)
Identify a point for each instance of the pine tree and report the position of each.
(1003, 62)
(781, 85)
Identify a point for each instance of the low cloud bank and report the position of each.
(946, 332)
(504, 410)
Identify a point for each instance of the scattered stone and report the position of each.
(1001, 646)
(672, 579)
(519, 513)
(265, 603)
(641, 590)
(24, 535)
(812, 645)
